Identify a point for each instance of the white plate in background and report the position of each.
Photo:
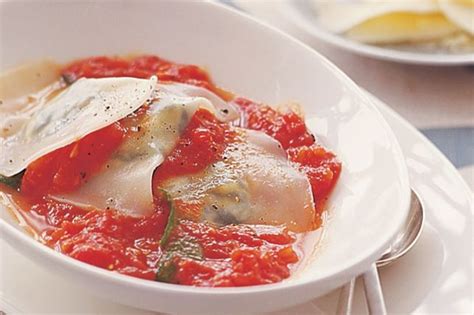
(302, 14)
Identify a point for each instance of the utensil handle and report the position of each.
(344, 306)
(373, 291)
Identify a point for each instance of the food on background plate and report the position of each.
(144, 167)
(446, 24)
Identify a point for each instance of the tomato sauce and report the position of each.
(194, 253)
(288, 128)
(233, 255)
(200, 145)
(106, 239)
(67, 168)
(139, 67)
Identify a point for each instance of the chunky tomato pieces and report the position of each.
(201, 144)
(321, 166)
(67, 168)
(288, 128)
(106, 239)
(233, 255)
(196, 253)
(139, 67)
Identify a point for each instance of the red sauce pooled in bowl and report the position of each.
(194, 253)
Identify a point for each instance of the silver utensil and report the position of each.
(402, 243)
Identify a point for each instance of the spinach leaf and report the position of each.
(182, 248)
(166, 270)
(174, 249)
(186, 247)
(171, 220)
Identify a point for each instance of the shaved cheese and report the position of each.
(460, 12)
(253, 184)
(124, 183)
(84, 107)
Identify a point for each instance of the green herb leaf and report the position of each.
(13, 181)
(171, 220)
(182, 248)
(186, 247)
(166, 270)
(174, 249)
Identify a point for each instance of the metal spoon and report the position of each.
(402, 243)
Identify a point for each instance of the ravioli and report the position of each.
(341, 16)
(125, 182)
(251, 184)
(254, 183)
(385, 21)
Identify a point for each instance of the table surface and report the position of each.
(437, 100)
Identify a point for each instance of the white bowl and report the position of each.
(371, 199)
